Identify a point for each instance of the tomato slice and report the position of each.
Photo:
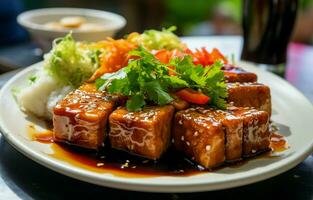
(217, 55)
(177, 53)
(193, 96)
(163, 55)
(205, 58)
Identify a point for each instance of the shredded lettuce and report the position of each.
(69, 63)
(165, 39)
(32, 79)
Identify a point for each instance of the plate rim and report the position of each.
(134, 184)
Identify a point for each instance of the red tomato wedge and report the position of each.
(217, 55)
(193, 96)
(200, 56)
(204, 58)
(163, 55)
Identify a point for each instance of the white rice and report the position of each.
(40, 97)
(55, 96)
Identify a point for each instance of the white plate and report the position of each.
(290, 108)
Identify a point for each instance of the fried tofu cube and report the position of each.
(230, 134)
(146, 133)
(81, 117)
(235, 74)
(254, 95)
(200, 137)
(233, 130)
(256, 134)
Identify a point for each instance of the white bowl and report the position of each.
(34, 21)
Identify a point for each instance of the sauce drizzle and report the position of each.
(123, 164)
(278, 142)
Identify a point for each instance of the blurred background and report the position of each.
(196, 17)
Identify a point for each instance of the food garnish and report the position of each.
(156, 40)
(204, 58)
(192, 96)
(69, 63)
(113, 56)
(114, 53)
(147, 79)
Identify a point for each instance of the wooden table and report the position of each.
(22, 178)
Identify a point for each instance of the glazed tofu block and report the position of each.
(200, 137)
(254, 95)
(81, 117)
(146, 133)
(233, 130)
(256, 135)
(227, 135)
(235, 74)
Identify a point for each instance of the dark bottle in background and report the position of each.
(267, 28)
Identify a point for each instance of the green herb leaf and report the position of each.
(146, 78)
(157, 93)
(108, 78)
(32, 79)
(119, 86)
(175, 82)
(135, 103)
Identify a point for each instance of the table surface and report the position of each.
(22, 178)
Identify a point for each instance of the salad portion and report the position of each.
(69, 64)
(147, 92)
(147, 78)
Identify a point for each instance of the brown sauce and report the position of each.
(116, 162)
(278, 142)
(123, 164)
(42, 136)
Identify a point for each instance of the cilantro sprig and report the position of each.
(147, 79)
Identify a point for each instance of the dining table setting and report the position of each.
(62, 135)
(22, 178)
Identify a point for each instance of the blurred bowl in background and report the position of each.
(35, 21)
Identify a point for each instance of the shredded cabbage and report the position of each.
(156, 40)
(69, 63)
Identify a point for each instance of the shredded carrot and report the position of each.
(114, 55)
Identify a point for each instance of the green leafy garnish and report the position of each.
(147, 79)
(135, 103)
(69, 63)
(32, 79)
(165, 39)
(209, 80)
